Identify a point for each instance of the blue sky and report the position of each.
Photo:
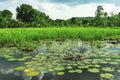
(64, 9)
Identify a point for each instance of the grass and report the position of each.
(17, 35)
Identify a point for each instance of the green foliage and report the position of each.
(18, 35)
(7, 14)
(5, 18)
(27, 16)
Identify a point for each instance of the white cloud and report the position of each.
(64, 11)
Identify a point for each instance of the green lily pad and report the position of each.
(103, 62)
(69, 67)
(41, 68)
(59, 68)
(20, 68)
(107, 75)
(60, 73)
(21, 59)
(108, 69)
(78, 70)
(114, 63)
(12, 59)
(51, 70)
(94, 70)
(71, 71)
(34, 73)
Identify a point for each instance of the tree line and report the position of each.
(27, 16)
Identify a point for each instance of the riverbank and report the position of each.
(29, 35)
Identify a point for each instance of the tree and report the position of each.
(105, 19)
(24, 13)
(5, 18)
(6, 14)
(28, 14)
(99, 14)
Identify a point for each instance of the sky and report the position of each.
(64, 9)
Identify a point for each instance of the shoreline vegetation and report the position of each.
(17, 35)
(28, 39)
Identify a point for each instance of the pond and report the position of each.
(62, 60)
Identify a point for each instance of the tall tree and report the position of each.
(24, 12)
(99, 14)
(5, 18)
(28, 14)
(6, 14)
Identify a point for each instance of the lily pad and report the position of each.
(71, 71)
(60, 73)
(78, 70)
(34, 73)
(114, 63)
(51, 70)
(59, 68)
(41, 68)
(108, 69)
(94, 70)
(69, 67)
(20, 68)
(107, 75)
(12, 59)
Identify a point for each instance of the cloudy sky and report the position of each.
(64, 9)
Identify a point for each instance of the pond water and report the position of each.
(66, 60)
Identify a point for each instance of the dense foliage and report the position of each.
(17, 35)
(27, 16)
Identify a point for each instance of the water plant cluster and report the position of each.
(68, 59)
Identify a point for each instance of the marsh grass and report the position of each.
(17, 35)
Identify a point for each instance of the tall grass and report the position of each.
(16, 35)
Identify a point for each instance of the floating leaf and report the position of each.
(108, 69)
(60, 73)
(78, 70)
(20, 68)
(69, 67)
(12, 59)
(114, 63)
(51, 70)
(94, 70)
(59, 68)
(33, 73)
(107, 75)
(71, 71)
(41, 68)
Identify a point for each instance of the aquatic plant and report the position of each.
(41, 68)
(78, 70)
(94, 70)
(19, 68)
(71, 71)
(108, 69)
(51, 70)
(60, 73)
(12, 59)
(31, 72)
(107, 75)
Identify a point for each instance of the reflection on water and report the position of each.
(56, 52)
